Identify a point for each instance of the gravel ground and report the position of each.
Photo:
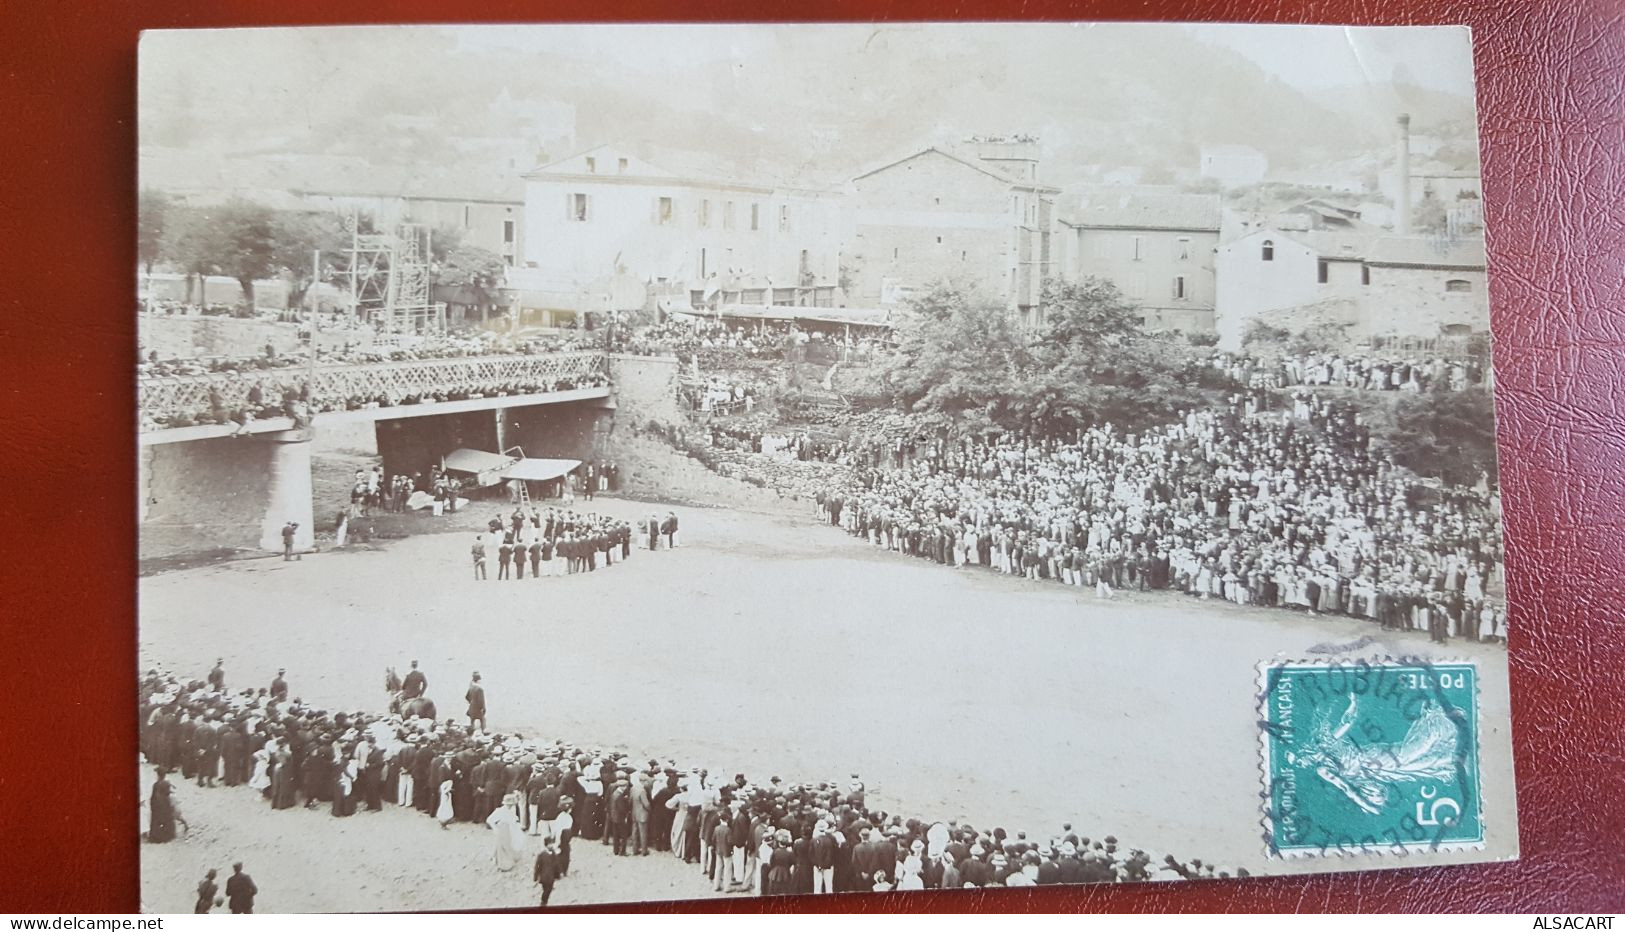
(774, 646)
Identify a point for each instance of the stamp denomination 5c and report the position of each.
(1367, 757)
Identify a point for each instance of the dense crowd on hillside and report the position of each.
(1256, 511)
(1366, 371)
(689, 337)
(787, 444)
(541, 796)
(721, 395)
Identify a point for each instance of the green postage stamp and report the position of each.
(1365, 757)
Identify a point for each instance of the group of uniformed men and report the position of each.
(562, 542)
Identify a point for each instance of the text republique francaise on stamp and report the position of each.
(1369, 757)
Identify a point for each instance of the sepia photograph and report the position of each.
(608, 464)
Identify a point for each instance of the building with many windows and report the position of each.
(606, 230)
(1156, 247)
(976, 216)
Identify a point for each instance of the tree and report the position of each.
(1431, 216)
(1090, 314)
(242, 237)
(188, 244)
(967, 363)
(473, 272)
(1446, 435)
(297, 237)
(959, 359)
(152, 211)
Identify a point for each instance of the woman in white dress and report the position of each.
(1474, 590)
(260, 779)
(909, 874)
(510, 836)
(443, 814)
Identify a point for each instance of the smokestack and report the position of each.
(1402, 209)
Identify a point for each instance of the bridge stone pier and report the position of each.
(225, 493)
(289, 494)
(208, 482)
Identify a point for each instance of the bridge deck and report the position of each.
(273, 425)
(191, 407)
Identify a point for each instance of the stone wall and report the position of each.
(645, 389)
(192, 336)
(202, 495)
(928, 219)
(1418, 302)
(187, 337)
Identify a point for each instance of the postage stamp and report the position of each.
(1369, 756)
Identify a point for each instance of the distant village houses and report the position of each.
(612, 229)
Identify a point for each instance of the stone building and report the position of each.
(1157, 247)
(977, 217)
(1418, 287)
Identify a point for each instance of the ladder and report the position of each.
(524, 487)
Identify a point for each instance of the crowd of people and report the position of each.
(1369, 372)
(675, 336)
(560, 543)
(792, 444)
(1256, 511)
(540, 797)
(686, 337)
(721, 395)
(170, 307)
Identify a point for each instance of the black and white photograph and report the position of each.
(620, 463)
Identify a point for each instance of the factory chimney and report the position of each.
(1402, 207)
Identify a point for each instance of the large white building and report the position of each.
(1376, 286)
(605, 229)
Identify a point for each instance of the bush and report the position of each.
(1260, 332)
(1446, 435)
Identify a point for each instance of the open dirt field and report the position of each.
(773, 646)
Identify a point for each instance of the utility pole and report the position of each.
(355, 258)
(315, 324)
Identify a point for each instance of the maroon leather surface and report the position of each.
(1552, 107)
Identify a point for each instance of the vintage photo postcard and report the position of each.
(606, 464)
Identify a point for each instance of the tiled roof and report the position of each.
(1146, 211)
(1336, 244)
(1428, 252)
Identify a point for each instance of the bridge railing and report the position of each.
(215, 397)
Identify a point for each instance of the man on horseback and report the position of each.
(415, 684)
(407, 696)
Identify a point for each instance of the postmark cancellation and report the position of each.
(1369, 757)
